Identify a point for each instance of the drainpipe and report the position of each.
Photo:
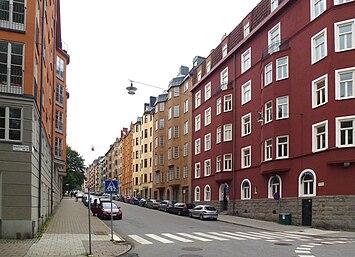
(40, 120)
(234, 135)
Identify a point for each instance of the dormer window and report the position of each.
(224, 50)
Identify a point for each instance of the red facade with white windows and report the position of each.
(290, 125)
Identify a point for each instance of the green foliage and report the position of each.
(75, 170)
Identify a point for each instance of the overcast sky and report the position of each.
(112, 41)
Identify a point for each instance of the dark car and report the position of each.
(165, 205)
(181, 208)
(105, 211)
(142, 202)
(134, 201)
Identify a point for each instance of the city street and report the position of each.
(155, 233)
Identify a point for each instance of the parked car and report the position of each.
(153, 204)
(85, 199)
(79, 194)
(105, 211)
(142, 202)
(127, 199)
(134, 200)
(204, 212)
(181, 208)
(165, 205)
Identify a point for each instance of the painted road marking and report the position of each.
(140, 240)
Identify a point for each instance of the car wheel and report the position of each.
(201, 216)
(190, 214)
(179, 213)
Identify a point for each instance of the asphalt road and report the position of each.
(153, 233)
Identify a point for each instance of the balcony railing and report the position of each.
(11, 89)
(11, 81)
(274, 47)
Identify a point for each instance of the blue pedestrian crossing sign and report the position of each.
(111, 186)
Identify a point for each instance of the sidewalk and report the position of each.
(68, 235)
(272, 226)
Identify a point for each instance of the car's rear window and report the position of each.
(108, 206)
(210, 208)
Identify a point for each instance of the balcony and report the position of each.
(274, 48)
(13, 76)
(12, 16)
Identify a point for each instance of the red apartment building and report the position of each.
(274, 115)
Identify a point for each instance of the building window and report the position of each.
(186, 127)
(176, 111)
(161, 141)
(224, 50)
(60, 68)
(10, 124)
(199, 75)
(176, 131)
(320, 91)
(208, 91)
(246, 157)
(245, 190)
(208, 142)
(59, 94)
(246, 124)
(282, 147)
(197, 194)
(218, 106)
(198, 122)
(185, 171)
(246, 92)
(197, 170)
(161, 159)
(282, 68)
(169, 133)
(345, 83)
(186, 86)
(274, 186)
(186, 149)
(268, 74)
(274, 4)
(197, 146)
(274, 39)
(307, 183)
(227, 132)
(345, 131)
(224, 78)
(218, 135)
(208, 116)
(176, 91)
(59, 121)
(169, 153)
(336, 2)
(176, 152)
(162, 107)
(268, 150)
(227, 103)
(227, 162)
(218, 163)
(246, 29)
(320, 136)
(161, 123)
(58, 150)
(268, 112)
(169, 113)
(186, 106)
(11, 67)
(198, 99)
(246, 60)
(344, 35)
(208, 66)
(207, 195)
(319, 46)
(13, 14)
(207, 167)
(317, 8)
(282, 107)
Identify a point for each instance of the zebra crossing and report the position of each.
(170, 238)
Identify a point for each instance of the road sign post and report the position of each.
(111, 187)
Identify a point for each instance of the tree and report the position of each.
(75, 170)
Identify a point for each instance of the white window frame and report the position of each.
(317, 93)
(197, 194)
(313, 4)
(176, 111)
(208, 66)
(197, 170)
(246, 124)
(228, 105)
(186, 86)
(197, 146)
(207, 168)
(219, 106)
(246, 60)
(283, 106)
(199, 75)
(282, 145)
(169, 133)
(316, 136)
(224, 77)
(268, 112)
(7, 128)
(208, 91)
(198, 122)
(338, 73)
(337, 2)
(186, 149)
(246, 29)
(218, 163)
(207, 193)
(271, 187)
(169, 113)
(224, 50)
(337, 26)
(207, 142)
(218, 135)
(340, 130)
(323, 45)
(301, 192)
(246, 92)
(268, 149)
(186, 127)
(227, 132)
(274, 42)
(186, 105)
(246, 157)
(268, 74)
(208, 116)
(282, 68)
(198, 99)
(176, 91)
(227, 162)
(274, 4)
(245, 192)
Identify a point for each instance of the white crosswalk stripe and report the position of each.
(160, 239)
(210, 236)
(178, 238)
(241, 234)
(227, 236)
(140, 240)
(195, 237)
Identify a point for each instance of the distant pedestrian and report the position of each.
(71, 194)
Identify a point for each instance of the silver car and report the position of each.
(204, 212)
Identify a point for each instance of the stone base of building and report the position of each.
(327, 212)
(18, 229)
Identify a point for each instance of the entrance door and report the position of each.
(306, 212)
(225, 199)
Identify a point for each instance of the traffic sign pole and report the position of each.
(111, 220)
